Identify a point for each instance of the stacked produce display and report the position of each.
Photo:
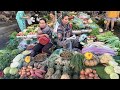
(97, 60)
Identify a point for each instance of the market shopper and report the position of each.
(52, 19)
(44, 31)
(111, 18)
(64, 31)
(21, 17)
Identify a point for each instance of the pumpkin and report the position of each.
(27, 59)
(65, 76)
(88, 55)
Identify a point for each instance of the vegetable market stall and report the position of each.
(97, 60)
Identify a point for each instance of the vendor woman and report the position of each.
(44, 30)
(64, 31)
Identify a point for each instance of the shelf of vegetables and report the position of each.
(97, 60)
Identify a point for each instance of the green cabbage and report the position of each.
(114, 76)
(113, 63)
(109, 69)
(13, 71)
(6, 70)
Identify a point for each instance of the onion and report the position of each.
(94, 71)
(82, 72)
(28, 70)
(87, 70)
(86, 73)
(91, 75)
(28, 73)
(96, 75)
(82, 76)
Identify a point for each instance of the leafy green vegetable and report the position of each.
(5, 60)
(100, 71)
(77, 61)
(13, 35)
(13, 44)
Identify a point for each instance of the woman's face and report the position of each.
(51, 15)
(65, 20)
(42, 24)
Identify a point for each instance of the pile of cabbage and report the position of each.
(113, 69)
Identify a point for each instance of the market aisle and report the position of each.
(5, 30)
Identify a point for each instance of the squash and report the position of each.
(65, 76)
(88, 55)
(27, 59)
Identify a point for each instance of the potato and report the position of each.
(28, 73)
(24, 68)
(34, 68)
(28, 70)
(23, 73)
(30, 67)
(94, 71)
(87, 70)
